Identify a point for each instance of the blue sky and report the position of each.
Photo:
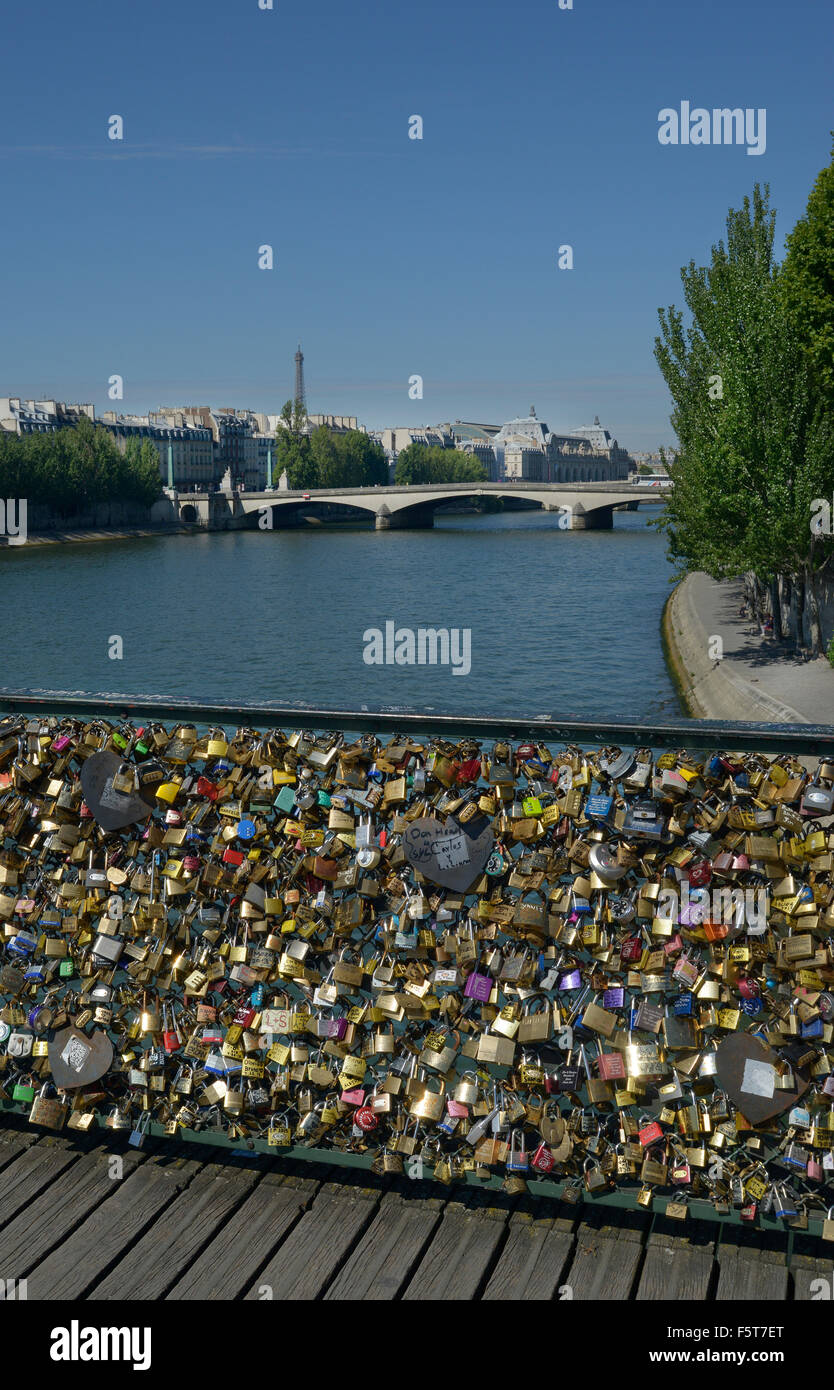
(392, 256)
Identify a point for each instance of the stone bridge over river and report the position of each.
(586, 506)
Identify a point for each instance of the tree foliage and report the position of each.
(808, 280)
(755, 436)
(324, 459)
(72, 470)
(424, 463)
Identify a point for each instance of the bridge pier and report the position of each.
(411, 518)
(600, 519)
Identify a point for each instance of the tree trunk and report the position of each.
(798, 610)
(813, 612)
(776, 608)
(785, 604)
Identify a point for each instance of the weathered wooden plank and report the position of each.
(676, 1267)
(14, 1142)
(751, 1275)
(533, 1260)
(605, 1264)
(390, 1249)
(65, 1203)
(34, 1167)
(173, 1241)
(231, 1260)
(457, 1262)
(303, 1265)
(108, 1232)
(806, 1269)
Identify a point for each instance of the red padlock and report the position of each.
(611, 1066)
(700, 873)
(631, 948)
(469, 771)
(207, 788)
(170, 1036)
(365, 1118)
(233, 856)
(650, 1133)
(542, 1159)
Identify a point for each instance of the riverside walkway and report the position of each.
(756, 678)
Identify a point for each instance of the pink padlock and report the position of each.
(354, 1097)
(747, 988)
(457, 1109)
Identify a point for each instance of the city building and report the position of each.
(527, 450)
(39, 417)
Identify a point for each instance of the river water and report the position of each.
(561, 622)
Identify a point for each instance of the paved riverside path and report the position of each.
(187, 1222)
(757, 678)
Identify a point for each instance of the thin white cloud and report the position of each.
(119, 150)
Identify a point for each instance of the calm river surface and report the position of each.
(561, 622)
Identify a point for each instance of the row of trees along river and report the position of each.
(751, 373)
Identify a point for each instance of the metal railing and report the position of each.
(744, 736)
(797, 739)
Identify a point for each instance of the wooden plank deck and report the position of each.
(178, 1223)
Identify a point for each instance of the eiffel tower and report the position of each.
(299, 379)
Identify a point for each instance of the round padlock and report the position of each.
(365, 1118)
(39, 1018)
(621, 907)
(604, 864)
(825, 1004)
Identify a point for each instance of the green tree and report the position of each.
(293, 419)
(328, 459)
(755, 443)
(808, 279)
(365, 460)
(141, 472)
(424, 463)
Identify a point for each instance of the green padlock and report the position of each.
(23, 1090)
(67, 968)
(285, 800)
